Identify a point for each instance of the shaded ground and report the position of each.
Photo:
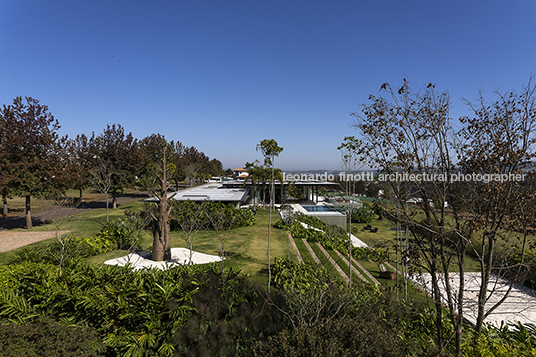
(43, 216)
(10, 239)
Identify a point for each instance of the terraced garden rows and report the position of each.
(332, 260)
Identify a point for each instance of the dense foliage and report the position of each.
(363, 214)
(122, 233)
(152, 312)
(194, 311)
(49, 338)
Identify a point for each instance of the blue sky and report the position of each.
(222, 75)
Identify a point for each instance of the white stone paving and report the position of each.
(179, 257)
(519, 306)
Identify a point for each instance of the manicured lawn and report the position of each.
(306, 256)
(246, 248)
(386, 238)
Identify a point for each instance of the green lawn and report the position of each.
(16, 204)
(246, 248)
(386, 238)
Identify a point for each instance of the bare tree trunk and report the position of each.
(270, 229)
(107, 209)
(164, 226)
(485, 271)
(161, 228)
(158, 248)
(5, 210)
(28, 213)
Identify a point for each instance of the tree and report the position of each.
(11, 139)
(257, 175)
(121, 153)
(101, 180)
(190, 216)
(499, 139)
(80, 163)
(191, 172)
(151, 147)
(270, 149)
(161, 218)
(372, 189)
(32, 158)
(350, 163)
(61, 216)
(411, 133)
(222, 221)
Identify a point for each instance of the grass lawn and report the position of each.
(16, 204)
(246, 248)
(85, 225)
(386, 238)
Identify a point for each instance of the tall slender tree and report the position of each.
(350, 163)
(270, 150)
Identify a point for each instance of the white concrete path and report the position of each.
(520, 305)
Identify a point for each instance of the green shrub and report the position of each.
(46, 337)
(364, 214)
(335, 337)
(149, 312)
(228, 316)
(375, 324)
(74, 250)
(512, 339)
(121, 233)
(239, 217)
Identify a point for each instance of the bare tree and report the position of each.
(499, 143)
(64, 221)
(191, 172)
(190, 218)
(350, 163)
(410, 138)
(222, 221)
(101, 180)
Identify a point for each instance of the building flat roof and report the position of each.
(278, 183)
(212, 192)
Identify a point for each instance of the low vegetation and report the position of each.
(89, 309)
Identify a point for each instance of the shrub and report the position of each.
(336, 337)
(46, 337)
(364, 214)
(378, 326)
(121, 233)
(228, 316)
(149, 312)
(239, 217)
(75, 250)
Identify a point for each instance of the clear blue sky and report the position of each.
(224, 74)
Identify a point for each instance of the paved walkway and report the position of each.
(520, 305)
